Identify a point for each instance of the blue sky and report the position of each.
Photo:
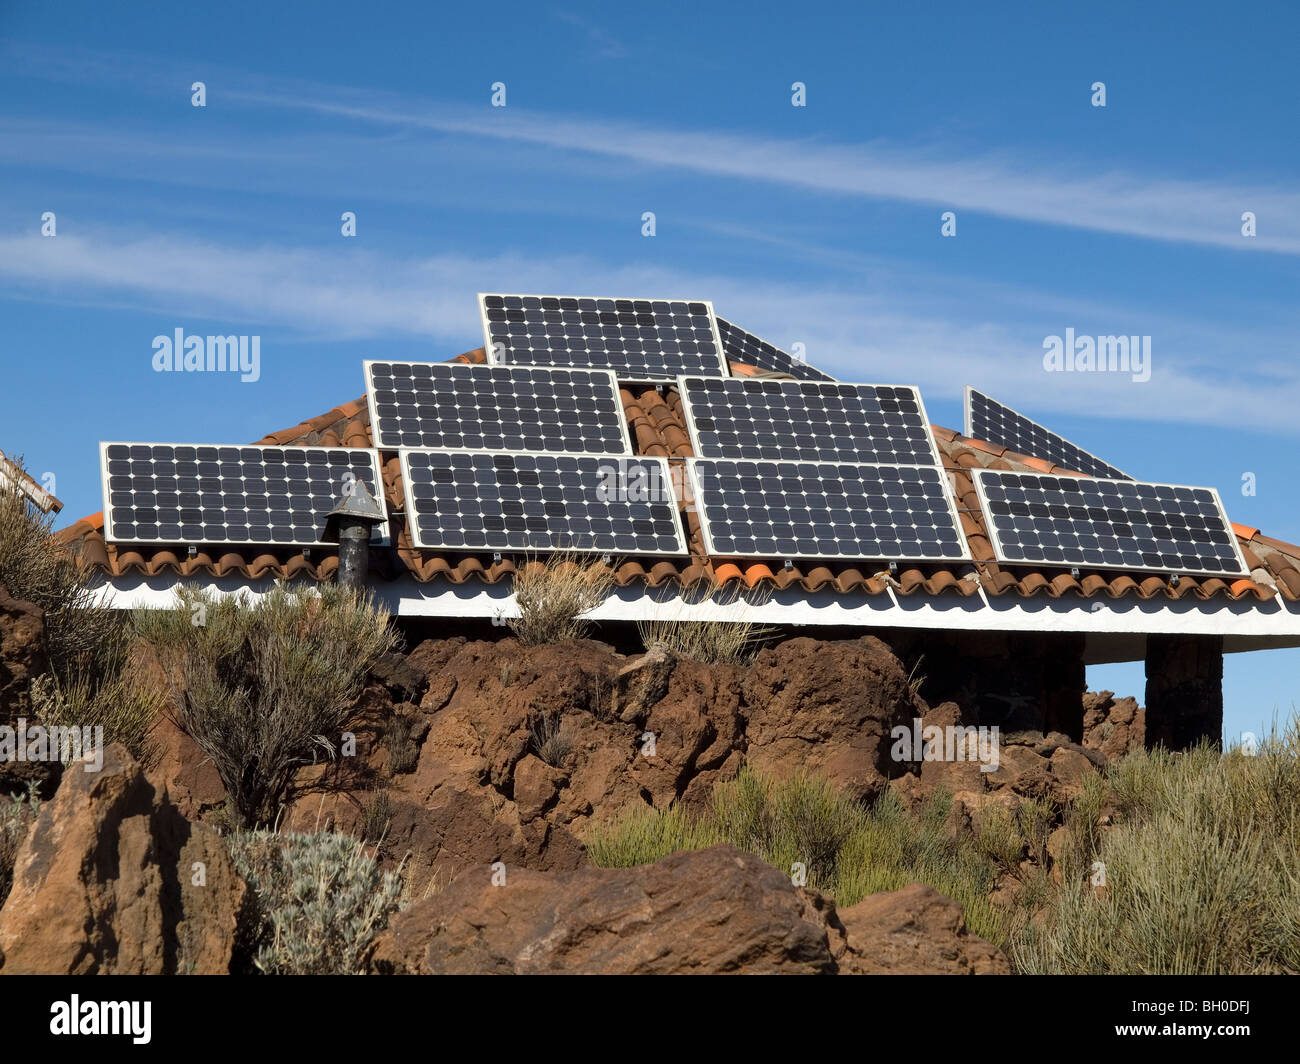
(817, 225)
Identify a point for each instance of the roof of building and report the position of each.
(658, 428)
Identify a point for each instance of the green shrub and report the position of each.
(265, 688)
(93, 680)
(643, 835)
(317, 901)
(17, 812)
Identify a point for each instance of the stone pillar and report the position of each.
(1065, 681)
(1184, 700)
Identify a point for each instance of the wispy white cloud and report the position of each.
(603, 43)
(891, 334)
(1079, 195)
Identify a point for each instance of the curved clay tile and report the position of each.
(94, 552)
(816, 577)
(996, 581)
(1063, 584)
(1031, 584)
(1093, 584)
(1121, 586)
(1242, 588)
(1288, 582)
(296, 566)
(725, 573)
(910, 580)
(264, 565)
(944, 580)
(980, 548)
(757, 573)
(1152, 586)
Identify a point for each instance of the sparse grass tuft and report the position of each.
(550, 740)
(376, 816)
(553, 598)
(710, 642)
(403, 751)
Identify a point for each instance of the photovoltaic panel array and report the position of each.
(501, 408)
(825, 510)
(546, 502)
(987, 419)
(742, 346)
(1107, 524)
(815, 421)
(639, 339)
(198, 493)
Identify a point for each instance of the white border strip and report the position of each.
(451, 397)
(996, 540)
(700, 501)
(1245, 625)
(412, 524)
(381, 536)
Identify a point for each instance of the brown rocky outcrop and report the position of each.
(828, 708)
(711, 911)
(1115, 726)
(649, 730)
(914, 931)
(112, 879)
(513, 753)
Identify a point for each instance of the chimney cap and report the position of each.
(357, 504)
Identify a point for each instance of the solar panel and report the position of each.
(639, 339)
(740, 417)
(460, 500)
(1107, 524)
(758, 509)
(208, 493)
(987, 419)
(742, 346)
(501, 408)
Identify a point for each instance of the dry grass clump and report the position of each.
(711, 642)
(1201, 871)
(554, 597)
(266, 687)
(93, 679)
